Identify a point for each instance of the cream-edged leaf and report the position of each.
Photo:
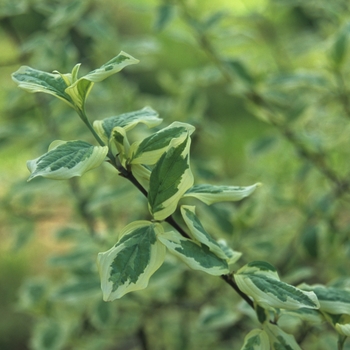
(260, 281)
(210, 194)
(33, 80)
(127, 121)
(142, 174)
(280, 340)
(149, 150)
(257, 339)
(80, 88)
(195, 255)
(170, 179)
(332, 300)
(66, 159)
(198, 233)
(128, 265)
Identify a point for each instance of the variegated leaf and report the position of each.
(170, 179)
(343, 325)
(257, 339)
(198, 233)
(210, 194)
(128, 265)
(280, 340)
(33, 80)
(127, 121)
(80, 88)
(332, 300)
(142, 174)
(149, 150)
(122, 143)
(67, 159)
(195, 255)
(232, 256)
(260, 281)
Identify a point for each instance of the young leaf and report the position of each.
(164, 15)
(149, 150)
(142, 174)
(80, 88)
(257, 339)
(33, 80)
(198, 232)
(332, 300)
(67, 159)
(121, 141)
(195, 255)
(260, 280)
(170, 179)
(127, 121)
(280, 340)
(231, 255)
(128, 265)
(343, 325)
(210, 194)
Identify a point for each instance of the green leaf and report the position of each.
(195, 255)
(66, 159)
(33, 80)
(231, 255)
(241, 71)
(68, 87)
(257, 339)
(280, 340)
(80, 88)
(210, 194)
(340, 46)
(309, 239)
(332, 300)
(260, 281)
(126, 121)
(128, 265)
(164, 14)
(343, 325)
(75, 290)
(121, 141)
(170, 179)
(149, 150)
(198, 232)
(305, 314)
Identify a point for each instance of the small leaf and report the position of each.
(128, 265)
(310, 240)
(67, 159)
(146, 115)
(343, 325)
(149, 150)
(121, 141)
(80, 89)
(257, 339)
(332, 300)
(142, 174)
(241, 71)
(340, 46)
(198, 232)
(170, 179)
(33, 80)
(195, 255)
(280, 340)
(75, 290)
(210, 194)
(260, 281)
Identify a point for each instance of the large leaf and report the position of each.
(128, 265)
(210, 194)
(257, 339)
(68, 87)
(66, 159)
(198, 232)
(170, 179)
(260, 281)
(195, 255)
(280, 340)
(127, 121)
(149, 150)
(332, 300)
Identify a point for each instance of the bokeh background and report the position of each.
(265, 82)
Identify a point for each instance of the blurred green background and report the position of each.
(203, 62)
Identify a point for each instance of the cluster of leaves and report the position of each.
(159, 166)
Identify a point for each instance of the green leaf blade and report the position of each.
(169, 180)
(33, 80)
(67, 159)
(127, 121)
(256, 339)
(210, 194)
(128, 265)
(196, 256)
(260, 281)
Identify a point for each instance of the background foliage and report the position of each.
(266, 85)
